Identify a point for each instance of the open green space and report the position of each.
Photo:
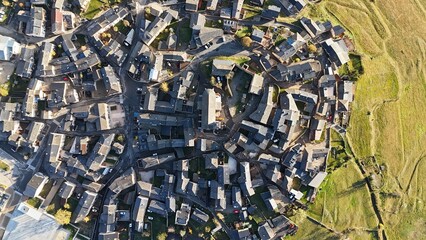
(387, 119)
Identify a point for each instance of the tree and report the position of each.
(86, 219)
(115, 28)
(53, 53)
(21, 4)
(312, 48)
(207, 229)
(67, 206)
(120, 138)
(164, 86)
(162, 236)
(6, 3)
(246, 41)
(126, 23)
(213, 81)
(63, 216)
(182, 233)
(148, 10)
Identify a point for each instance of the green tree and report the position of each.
(63, 216)
(115, 28)
(120, 138)
(246, 41)
(162, 236)
(126, 23)
(6, 3)
(312, 48)
(164, 86)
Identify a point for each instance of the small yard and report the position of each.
(185, 32)
(262, 211)
(122, 27)
(244, 31)
(46, 189)
(157, 181)
(95, 6)
(240, 60)
(198, 165)
(353, 68)
(214, 23)
(72, 230)
(34, 202)
(158, 224)
(338, 155)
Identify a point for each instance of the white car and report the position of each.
(150, 218)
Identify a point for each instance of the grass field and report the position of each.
(343, 201)
(389, 112)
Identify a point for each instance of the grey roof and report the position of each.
(67, 190)
(36, 24)
(256, 84)
(258, 134)
(111, 80)
(223, 174)
(171, 203)
(265, 106)
(197, 21)
(25, 65)
(207, 34)
(25, 222)
(289, 47)
(337, 51)
(236, 197)
(191, 5)
(222, 67)
(34, 132)
(107, 220)
(156, 27)
(182, 215)
(265, 231)
(151, 161)
(317, 180)
(108, 236)
(35, 185)
(8, 47)
(143, 188)
(84, 205)
(245, 179)
(257, 35)
(157, 207)
(56, 142)
(200, 216)
(303, 70)
(211, 5)
(268, 159)
(139, 210)
(126, 180)
(100, 152)
(346, 91)
(236, 8)
(208, 117)
(311, 26)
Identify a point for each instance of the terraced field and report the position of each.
(388, 125)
